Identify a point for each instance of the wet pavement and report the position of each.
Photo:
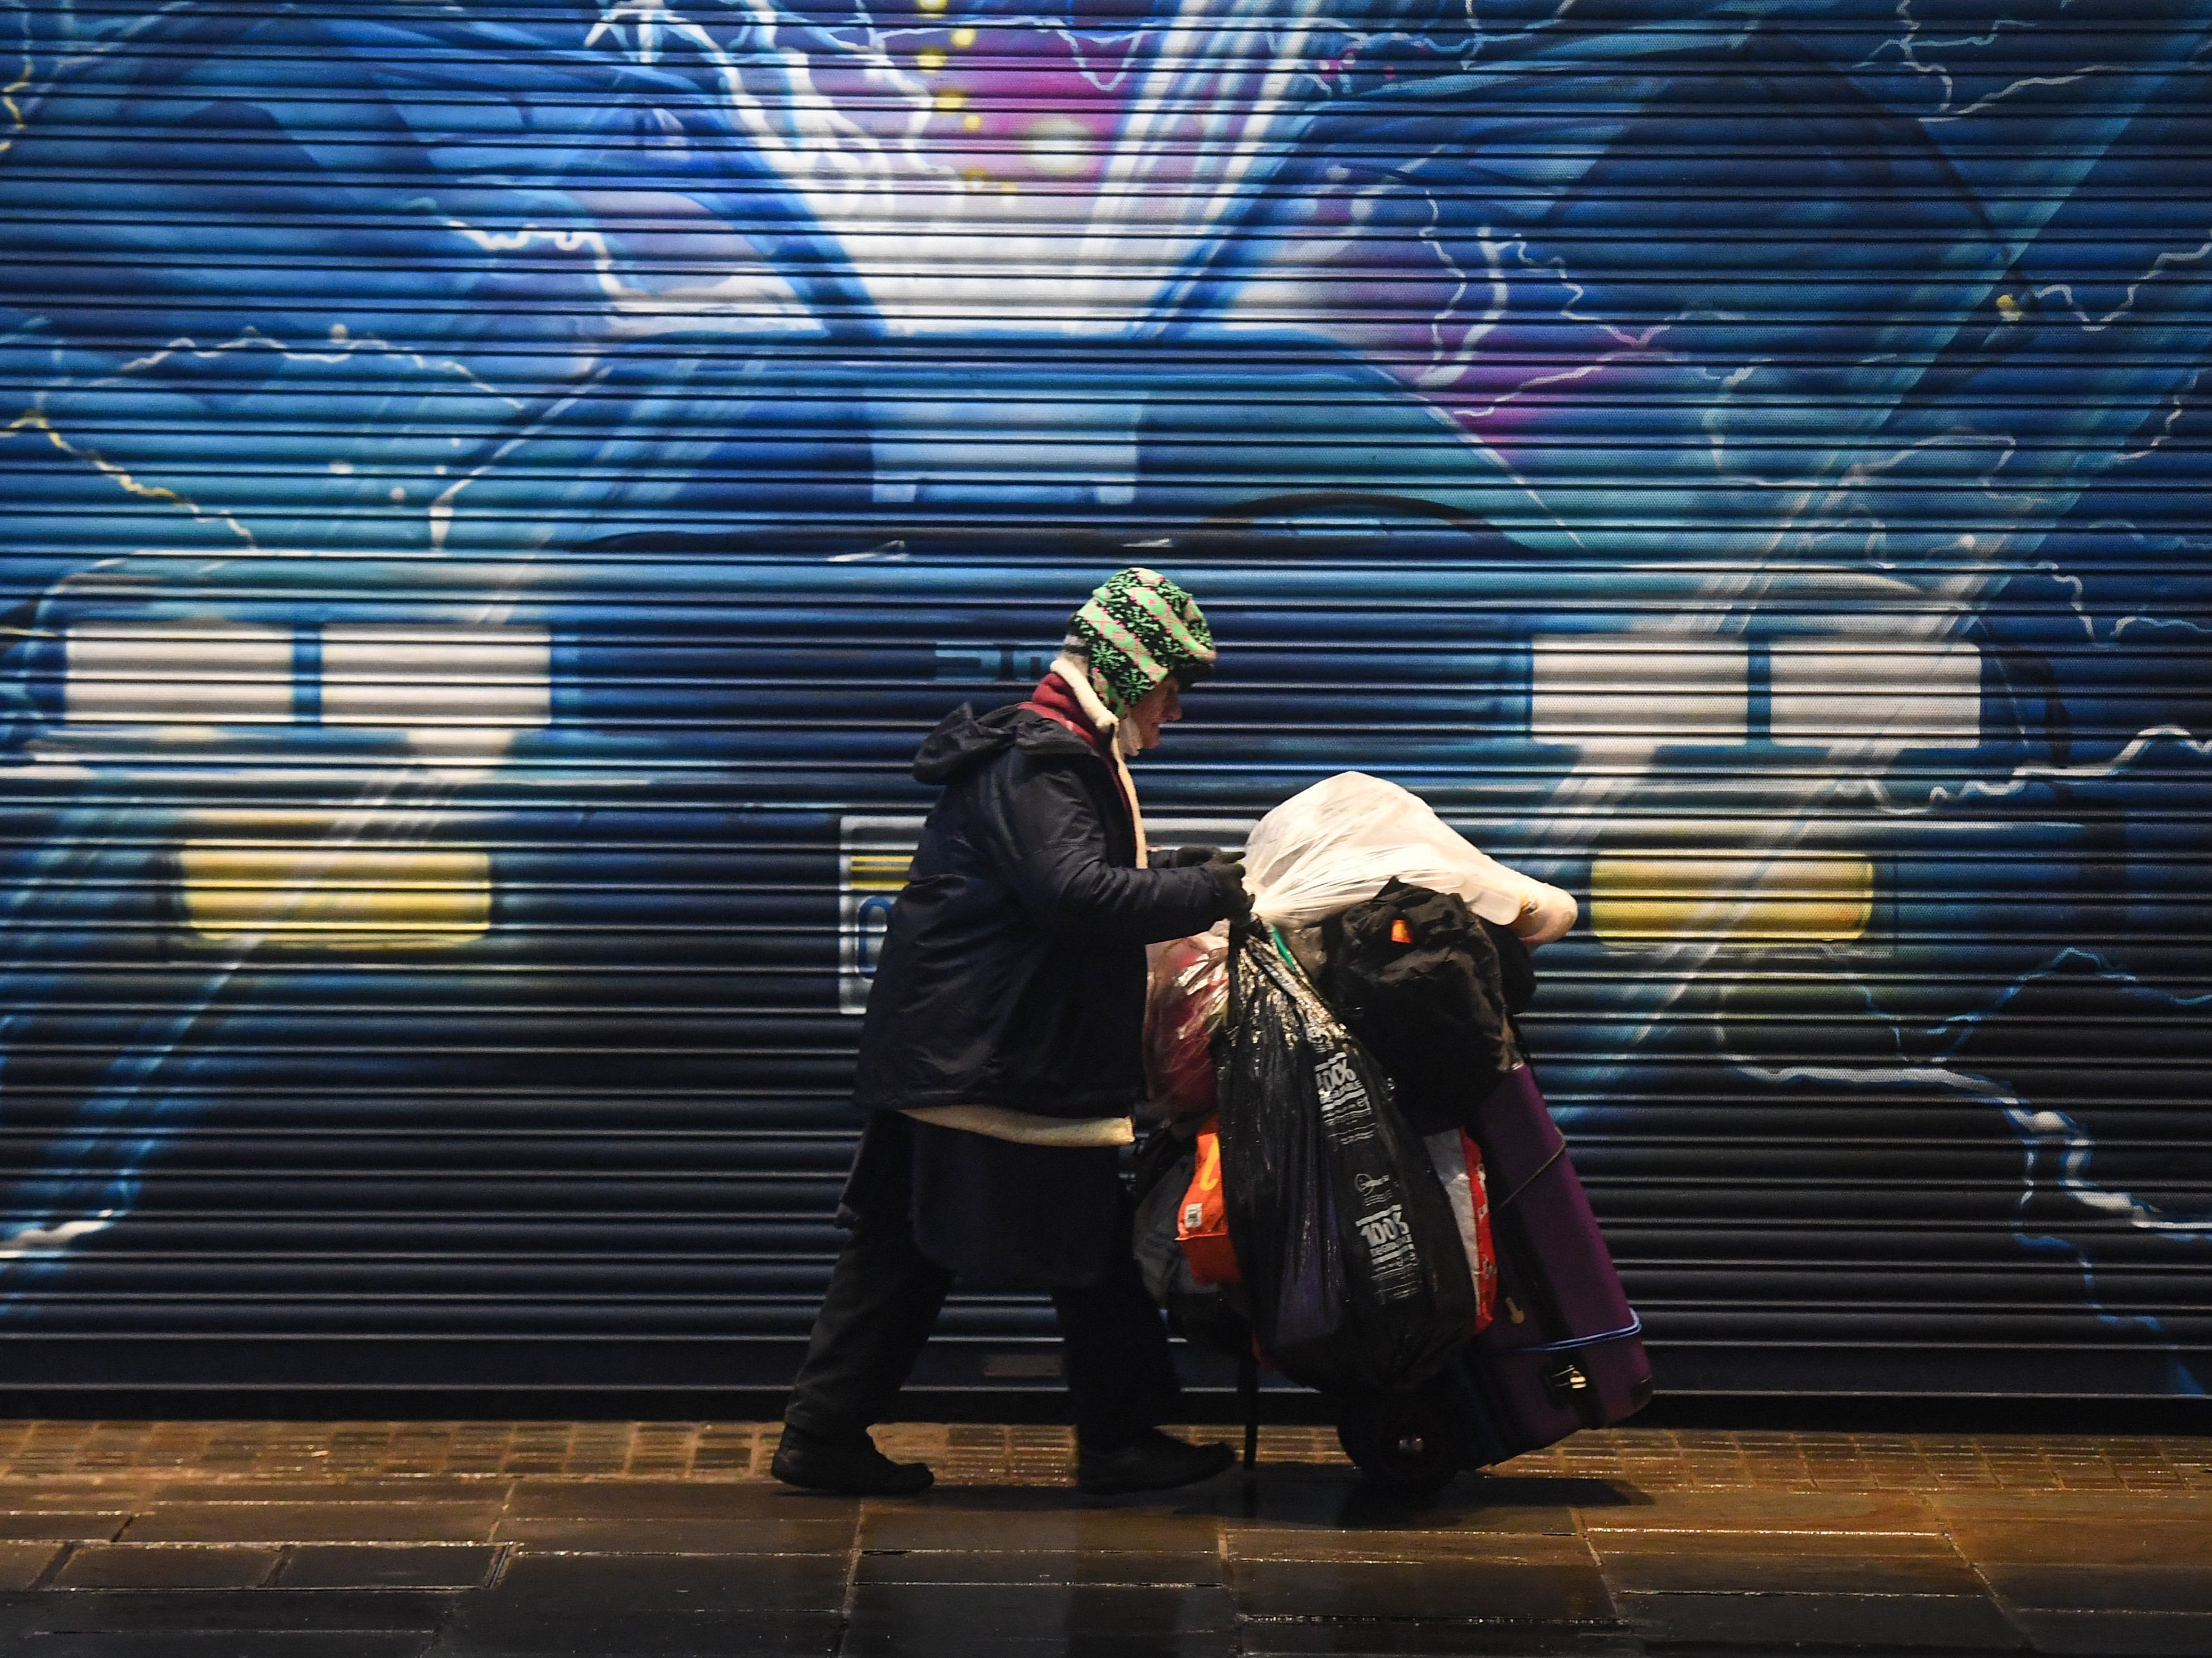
(621, 1540)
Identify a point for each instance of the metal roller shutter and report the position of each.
(494, 493)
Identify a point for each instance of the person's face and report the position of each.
(1162, 704)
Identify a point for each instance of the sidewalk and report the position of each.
(614, 1540)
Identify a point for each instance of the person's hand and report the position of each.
(1227, 869)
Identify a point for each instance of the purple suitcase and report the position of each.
(1563, 1348)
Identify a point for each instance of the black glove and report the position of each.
(1184, 857)
(1227, 869)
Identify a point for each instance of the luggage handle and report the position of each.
(1535, 1175)
(1633, 1327)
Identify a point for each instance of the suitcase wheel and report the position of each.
(1408, 1444)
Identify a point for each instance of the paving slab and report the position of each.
(1754, 1546)
(234, 1645)
(1040, 1612)
(2076, 1588)
(1489, 1590)
(865, 1641)
(22, 1564)
(867, 1638)
(167, 1566)
(382, 1566)
(1404, 1544)
(669, 1517)
(671, 1499)
(1755, 1510)
(1035, 1518)
(332, 1491)
(758, 1534)
(505, 1627)
(382, 1521)
(2084, 1541)
(1887, 1624)
(1419, 1639)
(63, 1496)
(1802, 1562)
(186, 1612)
(1326, 1502)
(64, 1525)
(1192, 1569)
(2119, 1634)
(915, 1620)
(590, 1582)
(2188, 1508)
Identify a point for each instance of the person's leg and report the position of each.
(1122, 1382)
(882, 1302)
(1121, 1379)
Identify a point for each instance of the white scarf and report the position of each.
(1121, 742)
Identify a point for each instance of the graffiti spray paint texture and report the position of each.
(461, 461)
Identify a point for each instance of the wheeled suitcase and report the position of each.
(1564, 1350)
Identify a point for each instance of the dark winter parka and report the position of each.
(1013, 971)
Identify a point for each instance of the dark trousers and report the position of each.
(883, 1298)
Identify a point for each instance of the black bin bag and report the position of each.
(1353, 1268)
(1430, 988)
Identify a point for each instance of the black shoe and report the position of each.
(1153, 1461)
(847, 1467)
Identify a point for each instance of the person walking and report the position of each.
(1001, 1058)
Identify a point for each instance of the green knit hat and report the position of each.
(1135, 631)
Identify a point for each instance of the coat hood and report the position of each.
(964, 740)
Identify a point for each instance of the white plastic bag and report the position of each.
(1340, 841)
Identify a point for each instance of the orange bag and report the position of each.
(1202, 1222)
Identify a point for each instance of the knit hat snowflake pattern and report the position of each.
(1136, 629)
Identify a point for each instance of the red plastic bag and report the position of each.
(1188, 997)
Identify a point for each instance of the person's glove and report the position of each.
(1184, 857)
(1227, 869)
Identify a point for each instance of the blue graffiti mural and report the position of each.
(467, 469)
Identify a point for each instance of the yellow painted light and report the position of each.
(877, 871)
(1783, 898)
(963, 37)
(949, 101)
(931, 61)
(319, 896)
